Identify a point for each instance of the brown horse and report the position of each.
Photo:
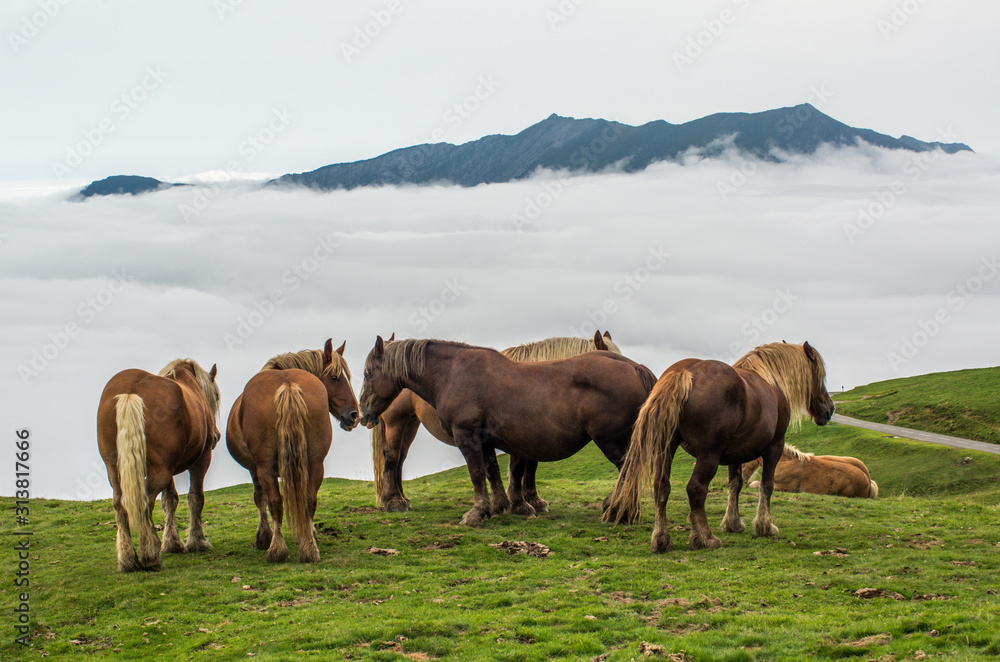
(394, 432)
(720, 415)
(541, 412)
(818, 474)
(150, 428)
(280, 427)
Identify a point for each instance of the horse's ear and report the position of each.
(343, 346)
(379, 345)
(599, 341)
(214, 371)
(811, 353)
(392, 337)
(607, 334)
(328, 351)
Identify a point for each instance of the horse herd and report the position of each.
(540, 402)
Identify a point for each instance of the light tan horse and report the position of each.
(280, 427)
(150, 428)
(394, 432)
(818, 474)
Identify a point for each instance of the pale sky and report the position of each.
(172, 89)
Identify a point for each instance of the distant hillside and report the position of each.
(592, 145)
(125, 185)
(962, 403)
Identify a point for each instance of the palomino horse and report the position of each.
(150, 428)
(280, 426)
(541, 412)
(720, 415)
(394, 432)
(818, 474)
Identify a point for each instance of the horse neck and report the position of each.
(426, 384)
(190, 383)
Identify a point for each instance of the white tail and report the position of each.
(131, 442)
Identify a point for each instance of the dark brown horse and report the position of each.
(397, 427)
(541, 412)
(720, 415)
(150, 428)
(835, 475)
(280, 427)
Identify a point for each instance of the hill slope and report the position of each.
(961, 403)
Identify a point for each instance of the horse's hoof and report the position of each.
(397, 506)
(277, 555)
(522, 508)
(540, 505)
(263, 541)
(500, 507)
(697, 542)
(198, 545)
(474, 517)
(152, 565)
(662, 543)
(308, 555)
(737, 526)
(172, 546)
(129, 565)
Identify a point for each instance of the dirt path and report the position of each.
(955, 442)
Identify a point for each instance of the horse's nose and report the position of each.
(354, 417)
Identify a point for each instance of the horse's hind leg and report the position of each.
(701, 534)
(172, 543)
(531, 490)
(263, 539)
(197, 542)
(515, 489)
(762, 524)
(128, 560)
(661, 492)
(732, 522)
(399, 436)
(277, 551)
(308, 549)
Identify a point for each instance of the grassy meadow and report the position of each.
(910, 575)
(961, 403)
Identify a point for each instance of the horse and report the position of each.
(280, 427)
(538, 411)
(397, 427)
(818, 474)
(149, 429)
(720, 415)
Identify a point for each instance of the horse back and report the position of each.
(259, 413)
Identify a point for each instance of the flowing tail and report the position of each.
(651, 437)
(293, 461)
(378, 459)
(872, 489)
(131, 422)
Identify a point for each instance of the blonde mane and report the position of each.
(310, 360)
(208, 387)
(795, 454)
(551, 349)
(786, 367)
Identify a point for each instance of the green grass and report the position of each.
(962, 403)
(930, 543)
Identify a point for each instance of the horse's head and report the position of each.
(336, 379)
(380, 388)
(820, 404)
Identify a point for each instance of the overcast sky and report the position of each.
(885, 261)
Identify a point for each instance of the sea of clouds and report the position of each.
(885, 261)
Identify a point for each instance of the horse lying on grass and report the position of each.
(818, 474)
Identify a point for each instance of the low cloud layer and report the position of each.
(886, 262)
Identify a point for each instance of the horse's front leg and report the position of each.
(500, 503)
(732, 522)
(518, 503)
(762, 524)
(196, 540)
(471, 446)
